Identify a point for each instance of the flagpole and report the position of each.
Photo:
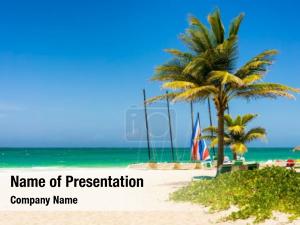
(198, 119)
(192, 116)
(204, 149)
(210, 122)
(192, 120)
(170, 127)
(194, 132)
(196, 127)
(147, 127)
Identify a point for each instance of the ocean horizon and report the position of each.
(118, 157)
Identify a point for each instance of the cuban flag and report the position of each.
(199, 149)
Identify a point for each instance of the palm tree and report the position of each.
(199, 39)
(236, 136)
(209, 71)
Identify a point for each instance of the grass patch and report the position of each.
(256, 193)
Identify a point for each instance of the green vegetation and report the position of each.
(207, 69)
(235, 135)
(256, 193)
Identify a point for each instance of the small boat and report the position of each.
(297, 148)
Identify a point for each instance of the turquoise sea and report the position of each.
(115, 157)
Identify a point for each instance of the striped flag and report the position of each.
(199, 149)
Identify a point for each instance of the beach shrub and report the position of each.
(256, 193)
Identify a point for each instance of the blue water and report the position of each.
(112, 157)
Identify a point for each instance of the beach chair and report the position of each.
(225, 168)
(253, 166)
(238, 165)
(238, 162)
(207, 164)
(222, 169)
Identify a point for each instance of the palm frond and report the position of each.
(177, 53)
(236, 129)
(216, 25)
(189, 42)
(170, 96)
(255, 94)
(168, 72)
(271, 86)
(225, 55)
(214, 142)
(210, 129)
(197, 40)
(257, 65)
(235, 25)
(238, 120)
(222, 57)
(228, 120)
(208, 137)
(250, 79)
(173, 70)
(178, 85)
(224, 78)
(266, 90)
(247, 118)
(204, 33)
(239, 148)
(199, 93)
(255, 133)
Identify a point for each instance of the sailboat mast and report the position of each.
(198, 118)
(192, 116)
(170, 127)
(147, 127)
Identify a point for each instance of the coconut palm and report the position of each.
(209, 71)
(199, 39)
(236, 136)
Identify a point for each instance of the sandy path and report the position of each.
(125, 218)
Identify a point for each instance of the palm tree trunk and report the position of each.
(220, 137)
(234, 155)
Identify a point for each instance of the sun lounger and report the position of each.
(222, 169)
(228, 168)
(253, 166)
(238, 162)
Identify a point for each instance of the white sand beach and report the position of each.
(124, 206)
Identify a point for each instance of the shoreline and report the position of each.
(116, 157)
(140, 165)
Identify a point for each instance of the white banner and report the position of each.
(90, 189)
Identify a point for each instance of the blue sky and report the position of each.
(70, 70)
